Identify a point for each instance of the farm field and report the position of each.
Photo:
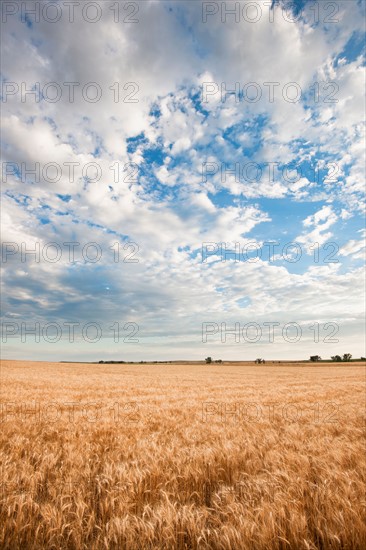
(193, 456)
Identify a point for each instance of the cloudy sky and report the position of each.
(161, 159)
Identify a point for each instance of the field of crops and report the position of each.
(182, 456)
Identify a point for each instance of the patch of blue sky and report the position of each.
(152, 188)
(36, 42)
(26, 19)
(193, 254)
(347, 263)
(3, 80)
(51, 122)
(44, 206)
(244, 137)
(97, 145)
(318, 166)
(353, 49)
(285, 227)
(292, 257)
(60, 213)
(285, 216)
(21, 302)
(353, 225)
(195, 97)
(90, 278)
(136, 141)
(197, 47)
(297, 5)
(223, 198)
(13, 169)
(155, 191)
(97, 151)
(254, 129)
(154, 156)
(220, 289)
(122, 237)
(93, 225)
(64, 198)
(19, 198)
(318, 95)
(155, 111)
(302, 8)
(71, 141)
(244, 302)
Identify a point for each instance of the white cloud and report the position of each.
(320, 221)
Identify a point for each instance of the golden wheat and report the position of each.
(182, 456)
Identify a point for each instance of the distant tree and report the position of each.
(347, 356)
(218, 361)
(363, 358)
(337, 358)
(259, 361)
(315, 358)
(208, 359)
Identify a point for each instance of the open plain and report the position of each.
(182, 456)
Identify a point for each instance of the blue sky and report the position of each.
(118, 137)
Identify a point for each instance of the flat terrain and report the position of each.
(187, 456)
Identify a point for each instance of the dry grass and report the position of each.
(161, 469)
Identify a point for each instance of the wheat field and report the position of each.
(182, 456)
